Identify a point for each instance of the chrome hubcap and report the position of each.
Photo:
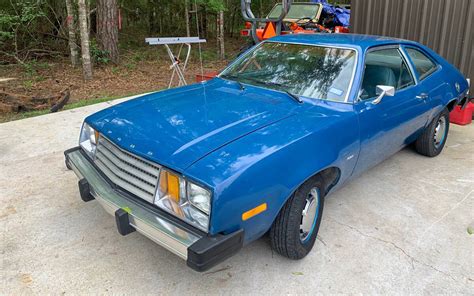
(440, 132)
(309, 215)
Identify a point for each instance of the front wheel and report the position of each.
(433, 139)
(294, 231)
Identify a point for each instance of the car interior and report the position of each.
(384, 67)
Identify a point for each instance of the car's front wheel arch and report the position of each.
(294, 231)
(321, 182)
(330, 177)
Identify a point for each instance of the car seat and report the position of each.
(376, 75)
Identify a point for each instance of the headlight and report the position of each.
(88, 139)
(199, 197)
(184, 199)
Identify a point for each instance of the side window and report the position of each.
(384, 67)
(423, 64)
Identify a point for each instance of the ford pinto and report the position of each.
(205, 169)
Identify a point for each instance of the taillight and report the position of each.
(244, 33)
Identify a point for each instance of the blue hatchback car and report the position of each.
(204, 169)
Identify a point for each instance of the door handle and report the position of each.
(422, 96)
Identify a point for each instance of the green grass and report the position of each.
(87, 102)
(28, 84)
(17, 116)
(82, 103)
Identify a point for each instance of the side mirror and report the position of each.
(382, 91)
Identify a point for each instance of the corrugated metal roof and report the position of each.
(445, 26)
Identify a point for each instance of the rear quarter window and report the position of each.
(423, 64)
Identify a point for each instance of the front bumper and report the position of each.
(200, 250)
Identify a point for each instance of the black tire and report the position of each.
(285, 233)
(426, 144)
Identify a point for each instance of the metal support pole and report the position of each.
(245, 7)
(177, 67)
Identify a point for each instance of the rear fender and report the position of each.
(454, 86)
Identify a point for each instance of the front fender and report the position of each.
(268, 165)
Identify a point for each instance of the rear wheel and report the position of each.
(295, 229)
(433, 139)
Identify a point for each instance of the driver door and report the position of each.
(395, 121)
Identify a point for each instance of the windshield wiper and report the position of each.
(233, 78)
(296, 98)
(293, 96)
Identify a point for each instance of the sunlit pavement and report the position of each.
(402, 227)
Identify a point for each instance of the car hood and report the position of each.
(177, 127)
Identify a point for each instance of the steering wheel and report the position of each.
(308, 20)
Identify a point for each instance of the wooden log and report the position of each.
(59, 105)
(10, 102)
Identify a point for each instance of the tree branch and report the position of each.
(13, 56)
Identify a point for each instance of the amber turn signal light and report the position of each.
(255, 211)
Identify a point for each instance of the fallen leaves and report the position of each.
(109, 81)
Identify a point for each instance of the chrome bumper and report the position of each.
(199, 250)
(159, 230)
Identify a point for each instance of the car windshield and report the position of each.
(303, 70)
(297, 11)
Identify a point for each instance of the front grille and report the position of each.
(128, 171)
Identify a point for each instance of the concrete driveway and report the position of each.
(399, 228)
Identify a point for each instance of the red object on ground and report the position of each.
(462, 117)
(245, 33)
(206, 76)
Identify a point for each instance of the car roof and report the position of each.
(356, 41)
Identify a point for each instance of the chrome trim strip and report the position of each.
(397, 46)
(161, 231)
(409, 64)
(137, 184)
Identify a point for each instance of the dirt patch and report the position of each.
(26, 278)
(10, 210)
(139, 71)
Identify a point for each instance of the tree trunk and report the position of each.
(151, 28)
(186, 13)
(232, 26)
(220, 30)
(218, 39)
(107, 28)
(71, 26)
(89, 17)
(204, 21)
(196, 15)
(86, 56)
